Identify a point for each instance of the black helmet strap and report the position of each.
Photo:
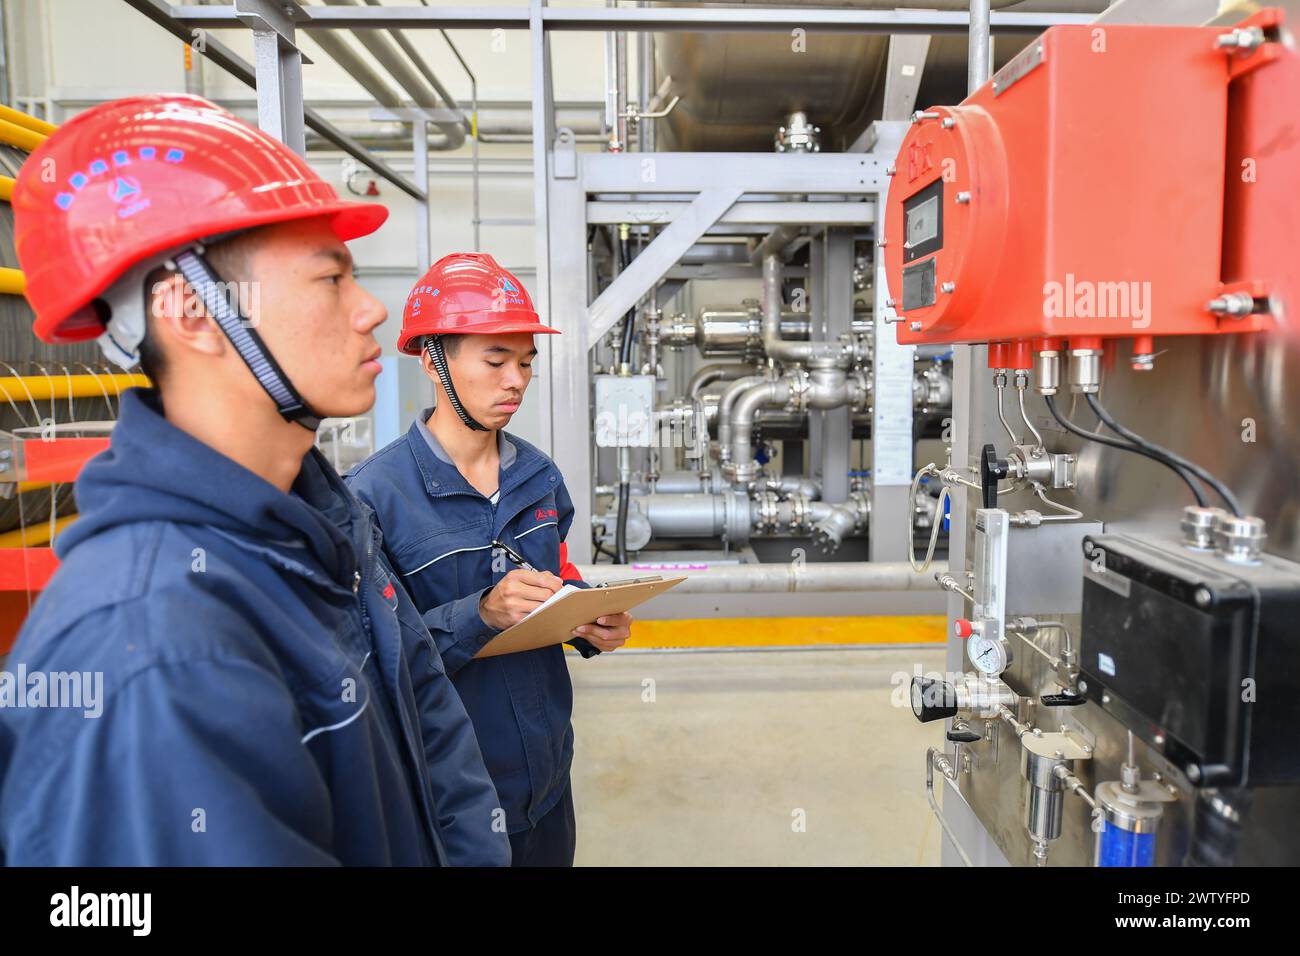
(208, 285)
(438, 358)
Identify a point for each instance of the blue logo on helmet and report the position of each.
(508, 286)
(124, 188)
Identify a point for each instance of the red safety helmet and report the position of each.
(136, 177)
(466, 293)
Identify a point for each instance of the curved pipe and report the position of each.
(716, 372)
(726, 405)
(932, 759)
(774, 346)
(742, 423)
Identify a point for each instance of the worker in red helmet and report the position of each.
(262, 690)
(474, 522)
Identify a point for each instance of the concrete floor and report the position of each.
(715, 769)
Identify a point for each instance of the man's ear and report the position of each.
(179, 318)
(427, 364)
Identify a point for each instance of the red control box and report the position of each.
(1079, 193)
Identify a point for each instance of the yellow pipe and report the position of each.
(57, 385)
(34, 535)
(12, 282)
(11, 115)
(20, 136)
(24, 486)
(6, 188)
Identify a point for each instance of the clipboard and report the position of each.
(554, 623)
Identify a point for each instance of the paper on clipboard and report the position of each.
(553, 621)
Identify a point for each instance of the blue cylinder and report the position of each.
(1119, 847)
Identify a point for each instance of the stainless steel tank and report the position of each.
(738, 88)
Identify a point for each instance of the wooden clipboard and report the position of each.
(555, 624)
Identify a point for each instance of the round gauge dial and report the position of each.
(989, 655)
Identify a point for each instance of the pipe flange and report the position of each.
(799, 382)
(765, 519)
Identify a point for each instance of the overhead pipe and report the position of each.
(384, 47)
(775, 347)
(774, 243)
(782, 577)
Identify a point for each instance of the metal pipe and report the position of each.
(645, 131)
(474, 131)
(742, 423)
(774, 346)
(978, 65)
(384, 48)
(338, 50)
(783, 577)
(933, 758)
(726, 405)
(774, 243)
(714, 372)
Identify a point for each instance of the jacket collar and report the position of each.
(442, 477)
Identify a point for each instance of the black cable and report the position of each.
(1228, 497)
(620, 530)
(629, 324)
(1069, 426)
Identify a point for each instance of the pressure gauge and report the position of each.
(990, 655)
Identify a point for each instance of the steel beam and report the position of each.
(657, 20)
(742, 213)
(636, 281)
(816, 173)
(220, 54)
(892, 368)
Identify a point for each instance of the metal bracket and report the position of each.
(565, 156)
(634, 282)
(278, 18)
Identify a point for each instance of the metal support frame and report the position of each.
(893, 365)
(719, 196)
(279, 69)
(651, 19)
(166, 17)
(837, 308)
(709, 190)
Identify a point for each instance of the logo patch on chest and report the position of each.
(543, 513)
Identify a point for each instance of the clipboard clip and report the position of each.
(645, 580)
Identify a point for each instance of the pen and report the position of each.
(513, 555)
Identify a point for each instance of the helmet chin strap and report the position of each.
(438, 358)
(208, 285)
